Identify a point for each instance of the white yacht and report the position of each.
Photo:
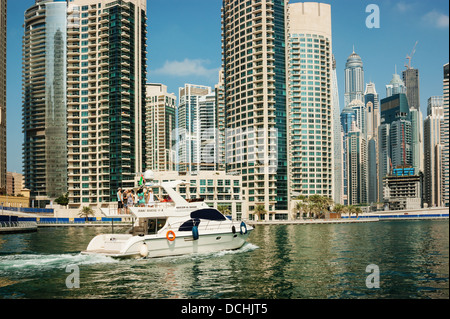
(172, 228)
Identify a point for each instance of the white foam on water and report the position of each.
(38, 262)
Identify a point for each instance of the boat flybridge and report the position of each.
(175, 228)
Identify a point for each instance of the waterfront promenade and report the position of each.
(312, 221)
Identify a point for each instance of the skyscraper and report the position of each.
(44, 98)
(254, 61)
(411, 81)
(348, 120)
(357, 167)
(106, 78)
(372, 102)
(396, 86)
(220, 122)
(3, 7)
(445, 140)
(354, 79)
(160, 123)
(394, 136)
(338, 182)
(433, 152)
(373, 122)
(196, 125)
(310, 93)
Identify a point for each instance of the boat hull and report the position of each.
(158, 246)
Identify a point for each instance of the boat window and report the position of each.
(155, 225)
(187, 225)
(208, 213)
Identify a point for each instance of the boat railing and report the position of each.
(205, 225)
(113, 210)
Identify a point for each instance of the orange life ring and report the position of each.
(170, 235)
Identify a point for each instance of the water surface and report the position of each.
(281, 262)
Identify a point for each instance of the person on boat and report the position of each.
(125, 202)
(141, 200)
(130, 200)
(150, 198)
(119, 201)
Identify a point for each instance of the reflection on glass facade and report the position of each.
(44, 105)
(55, 102)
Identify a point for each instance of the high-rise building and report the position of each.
(160, 124)
(3, 167)
(220, 122)
(44, 98)
(394, 136)
(396, 86)
(338, 182)
(372, 102)
(416, 119)
(384, 159)
(411, 81)
(359, 108)
(357, 167)
(196, 128)
(433, 151)
(254, 61)
(106, 78)
(445, 140)
(373, 122)
(348, 119)
(310, 93)
(354, 79)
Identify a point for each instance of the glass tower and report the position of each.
(354, 79)
(44, 99)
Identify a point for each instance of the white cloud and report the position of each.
(188, 67)
(436, 19)
(403, 6)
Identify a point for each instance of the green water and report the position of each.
(282, 262)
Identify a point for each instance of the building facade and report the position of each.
(338, 159)
(411, 81)
(310, 99)
(196, 124)
(433, 184)
(160, 124)
(44, 98)
(254, 62)
(445, 140)
(106, 77)
(354, 79)
(3, 166)
(356, 167)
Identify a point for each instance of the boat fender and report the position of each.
(170, 235)
(243, 228)
(143, 251)
(233, 229)
(195, 232)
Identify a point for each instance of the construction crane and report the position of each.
(409, 57)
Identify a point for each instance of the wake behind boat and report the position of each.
(169, 229)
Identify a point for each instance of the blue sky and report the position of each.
(184, 46)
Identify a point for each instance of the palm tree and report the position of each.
(86, 211)
(299, 208)
(351, 209)
(224, 209)
(260, 209)
(358, 211)
(339, 209)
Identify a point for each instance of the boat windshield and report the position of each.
(207, 213)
